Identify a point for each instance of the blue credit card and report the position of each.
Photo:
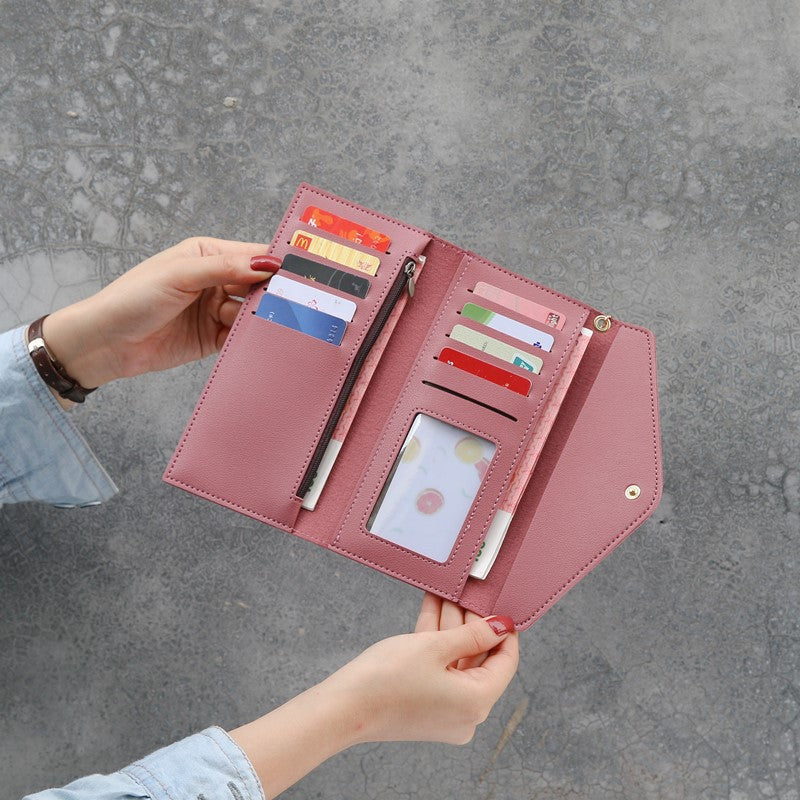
(301, 318)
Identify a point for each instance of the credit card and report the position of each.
(322, 273)
(519, 330)
(301, 318)
(489, 372)
(310, 296)
(496, 348)
(333, 251)
(521, 305)
(330, 223)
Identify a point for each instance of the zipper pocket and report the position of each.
(405, 280)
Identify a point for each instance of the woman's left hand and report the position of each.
(175, 307)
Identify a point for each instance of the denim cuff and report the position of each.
(206, 766)
(42, 454)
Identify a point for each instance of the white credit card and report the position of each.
(499, 322)
(290, 289)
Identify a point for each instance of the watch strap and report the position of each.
(51, 371)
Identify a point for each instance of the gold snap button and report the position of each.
(602, 322)
(632, 492)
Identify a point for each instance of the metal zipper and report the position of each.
(405, 280)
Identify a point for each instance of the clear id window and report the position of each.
(431, 487)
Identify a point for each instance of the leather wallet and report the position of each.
(260, 432)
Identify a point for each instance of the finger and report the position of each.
(206, 246)
(222, 335)
(428, 619)
(236, 289)
(501, 664)
(228, 311)
(202, 272)
(210, 246)
(479, 636)
(473, 661)
(452, 616)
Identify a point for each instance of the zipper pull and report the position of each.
(410, 268)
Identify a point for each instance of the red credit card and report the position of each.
(489, 372)
(359, 234)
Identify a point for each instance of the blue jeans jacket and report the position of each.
(44, 457)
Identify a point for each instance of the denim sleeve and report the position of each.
(42, 455)
(206, 766)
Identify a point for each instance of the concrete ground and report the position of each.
(641, 156)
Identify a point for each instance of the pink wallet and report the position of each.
(276, 397)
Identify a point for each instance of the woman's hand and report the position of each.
(175, 307)
(407, 687)
(437, 684)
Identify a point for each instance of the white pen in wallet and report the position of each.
(522, 475)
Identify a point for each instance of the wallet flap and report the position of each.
(598, 479)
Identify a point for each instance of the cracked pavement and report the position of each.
(643, 157)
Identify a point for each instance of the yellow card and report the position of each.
(333, 251)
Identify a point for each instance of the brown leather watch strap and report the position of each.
(50, 369)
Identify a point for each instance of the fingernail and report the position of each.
(501, 625)
(265, 263)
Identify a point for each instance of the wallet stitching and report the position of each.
(230, 503)
(637, 521)
(469, 257)
(293, 500)
(514, 275)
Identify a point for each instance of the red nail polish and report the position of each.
(501, 625)
(265, 263)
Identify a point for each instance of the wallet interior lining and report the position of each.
(353, 538)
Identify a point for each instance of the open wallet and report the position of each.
(412, 406)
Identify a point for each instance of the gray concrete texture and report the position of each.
(640, 156)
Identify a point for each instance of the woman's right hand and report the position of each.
(435, 684)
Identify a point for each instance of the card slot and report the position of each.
(361, 302)
(522, 344)
(471, 400)
(297, 224)
(545, 356)
(496, 361)
(482, 391)
(480, 270)
(304, 339)
(354, 214)
(384, 259)
(512, 313)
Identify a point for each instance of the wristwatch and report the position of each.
(50, 369)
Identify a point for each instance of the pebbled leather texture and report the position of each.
(574, 512)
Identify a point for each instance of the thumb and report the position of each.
(196, 273)
(476, 637)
